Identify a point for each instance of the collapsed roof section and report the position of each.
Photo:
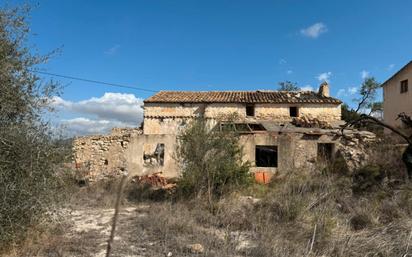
(273, 127)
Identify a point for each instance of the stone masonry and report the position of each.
(103, 155)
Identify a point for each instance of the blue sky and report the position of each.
(213, 45)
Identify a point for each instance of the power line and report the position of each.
(93, 81)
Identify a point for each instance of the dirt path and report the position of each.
(89, 231)
(150, 230)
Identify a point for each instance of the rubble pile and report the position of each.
(155, 180)
(353, 147)
(308, 122)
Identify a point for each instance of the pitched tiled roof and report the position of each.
(240, 97)
(394, 75)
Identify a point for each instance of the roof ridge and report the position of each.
(236, 91)
(274, 96)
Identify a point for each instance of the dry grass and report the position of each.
(304, 215)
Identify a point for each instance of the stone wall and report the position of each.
(296, 151)
(103, 155)
(300, 151)
(170, 118)
(138, 154)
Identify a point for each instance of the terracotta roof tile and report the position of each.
(240, 97)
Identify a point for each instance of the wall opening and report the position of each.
(106, 162)
(266, 156)
(160, 154)
(242, 127)
(404, 86)
(293, 111)
(256, 127)
(157, 157)
(250, 110)
(325, 152)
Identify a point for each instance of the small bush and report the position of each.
(360, 221)
(367, 178)
(211, 162)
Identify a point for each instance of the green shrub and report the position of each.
(211, 161)
(29, 185)
(28, 153)
(366, 178)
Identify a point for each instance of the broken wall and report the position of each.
(295, 151)
(104, 155)
(142, 159)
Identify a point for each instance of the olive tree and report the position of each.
(288, 86)
(28, 155)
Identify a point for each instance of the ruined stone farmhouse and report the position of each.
(280, 131)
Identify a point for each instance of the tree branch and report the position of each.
(381, 123)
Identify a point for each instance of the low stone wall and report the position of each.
(101, 156)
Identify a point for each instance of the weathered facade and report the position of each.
(263, 119)
(103, 155)
(167, 111)
(397, 96)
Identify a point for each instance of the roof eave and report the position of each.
(396, 73)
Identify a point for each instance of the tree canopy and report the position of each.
(27, 152)
(288, 86)
(367, 93)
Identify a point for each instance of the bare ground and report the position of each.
(155, 229)
(89, 230)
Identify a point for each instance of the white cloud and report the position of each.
(282, 61)
(112, 50)
(289, 72)
(391, 66)
(341, 92)
(111, 106)
(352, 90)
(306, 88)
(324, 76)
(101, 114)
(85, 126)
(315, 30)
(364, 74)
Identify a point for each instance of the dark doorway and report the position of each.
(266, 156)
(325, 152)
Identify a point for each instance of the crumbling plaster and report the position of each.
(141, 144)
